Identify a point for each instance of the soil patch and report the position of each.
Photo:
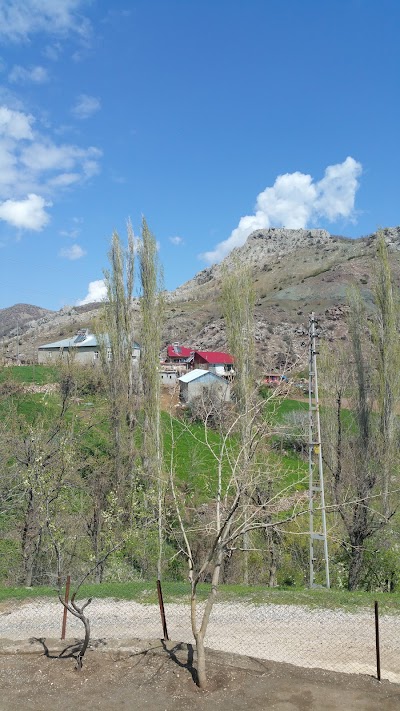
(162, 680)
(334, 640)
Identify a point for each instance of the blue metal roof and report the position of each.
(89, 342)
(199, 373)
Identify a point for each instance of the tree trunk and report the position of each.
(246, 546)
(272, 581)
(356, 561)
(199, 635)
(28, 573)
(273, 543)
(201, 662)
(31, 537)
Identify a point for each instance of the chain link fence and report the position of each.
(331, 639)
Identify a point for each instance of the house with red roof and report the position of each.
(179, 354)
(217, 362)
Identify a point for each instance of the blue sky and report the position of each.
(211, 118)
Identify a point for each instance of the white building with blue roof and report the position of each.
(84, 345)
(193, 384)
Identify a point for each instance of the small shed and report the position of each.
(193, 384)
(169, 377)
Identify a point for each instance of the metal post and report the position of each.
(315, 448)
(162, 610)
(377, 645)
(64, 622)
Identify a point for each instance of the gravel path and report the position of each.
(327, 639)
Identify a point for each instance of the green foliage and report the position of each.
(10, 559)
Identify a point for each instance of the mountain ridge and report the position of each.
(295, 272)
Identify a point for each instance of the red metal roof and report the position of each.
(213, 357)
(178, 351)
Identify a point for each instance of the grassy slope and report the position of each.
(38, 374)
(196, 467)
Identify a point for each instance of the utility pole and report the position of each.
(316, 493)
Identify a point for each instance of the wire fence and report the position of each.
(331, 639)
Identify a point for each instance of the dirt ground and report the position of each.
(334, 640)
(160, 679)
(170, 399)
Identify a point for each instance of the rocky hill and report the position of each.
(295, 272)
(19, 317)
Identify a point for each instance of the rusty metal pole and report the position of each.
(64, 622)
(162, 610)
(377, 645)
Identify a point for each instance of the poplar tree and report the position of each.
(116, 339)
(361, 447)
(152, 313)
(385, 335)
(238, 301)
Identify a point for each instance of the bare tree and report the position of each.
(242, 502)
(78, 650)
(39, 457)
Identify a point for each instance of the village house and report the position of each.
(84, 346)
(216, 362)
(196, 381)
(179, 354)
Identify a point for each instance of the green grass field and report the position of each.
(276, 410)
(38, 374)
(146, 592)
(196, 469)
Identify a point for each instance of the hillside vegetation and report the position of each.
(77, 490)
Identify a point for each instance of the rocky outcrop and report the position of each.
(295, 272)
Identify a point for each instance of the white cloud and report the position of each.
(64, 180)
(72, 234)
(74, 252)
(19, 19)
(294, 200)
(36, 75)
(44, 156)
(32, 163)
(176, 241)
(52, 51)
(337, 189)
(85, 106)
(27, 214)
(15, 124)
(97, 291)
